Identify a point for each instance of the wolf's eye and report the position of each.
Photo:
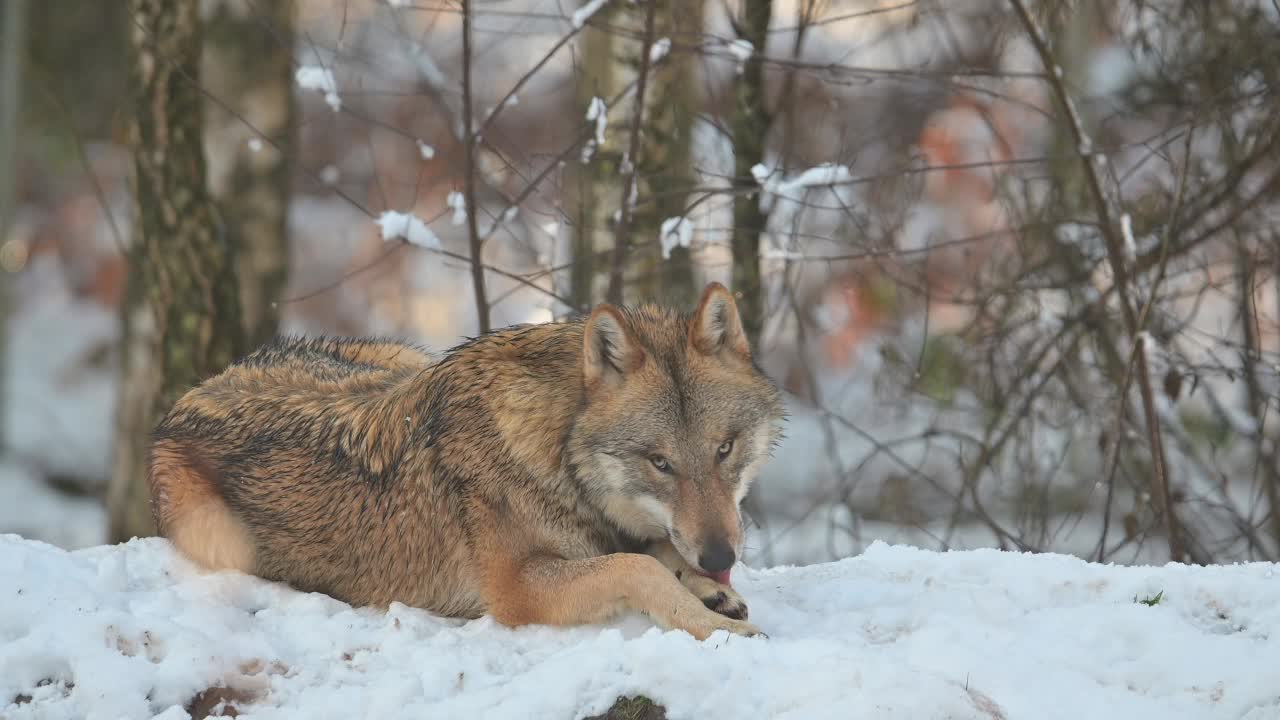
(725, 448)
(660, 463)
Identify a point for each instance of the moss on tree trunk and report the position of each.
(182, 313)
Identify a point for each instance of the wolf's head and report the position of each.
(676, 423)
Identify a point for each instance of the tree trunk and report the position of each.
(666, 157)
(182, 314)
(249, 141)
(631, 159)
(1247, 266)
(750, 127)
(594, 183)
(12, 52)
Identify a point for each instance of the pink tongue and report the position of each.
(721, 577)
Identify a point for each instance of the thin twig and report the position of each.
(515, 89)
(469, 143)
(82, 155)
(1166, 239)
(1115, 254)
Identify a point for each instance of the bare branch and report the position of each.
(1115, 252)
(473, 209)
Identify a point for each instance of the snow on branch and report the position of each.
(597, 112)
(741, 50)
(408, 227)
(676, 232)
(584, 13)
(820, 176)
(661, 48)
(314, 77)
(457, 202)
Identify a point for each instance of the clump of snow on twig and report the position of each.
(584, 13)
(741, 50)
(458, 203)
(409, 227)
(818, 176)
(659, 50)
(676, 232)
(1130, 245)
(597, 112)
(426, 151)
(314, 77)
(788, 193)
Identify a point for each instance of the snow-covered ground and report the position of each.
(134, 631)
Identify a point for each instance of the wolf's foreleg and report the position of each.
(542, 589)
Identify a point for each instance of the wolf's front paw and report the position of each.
(727, 602)
(740, 627)
(719, 598)
(702, 623)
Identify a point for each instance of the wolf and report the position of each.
(555, 474)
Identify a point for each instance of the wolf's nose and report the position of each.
(716, 556)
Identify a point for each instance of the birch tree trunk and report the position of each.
(249, 143)
(661, 143)
(666, 157)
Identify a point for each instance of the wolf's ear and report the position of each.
(608, 350)
(716, 323)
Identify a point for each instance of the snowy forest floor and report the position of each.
(135, 631)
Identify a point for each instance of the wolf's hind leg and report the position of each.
(189, 511)
(542, 589)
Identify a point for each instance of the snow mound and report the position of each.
(135, 631)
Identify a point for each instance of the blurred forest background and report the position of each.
(1014, 261)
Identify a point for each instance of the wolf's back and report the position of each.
(326, 358)
(274, 465)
